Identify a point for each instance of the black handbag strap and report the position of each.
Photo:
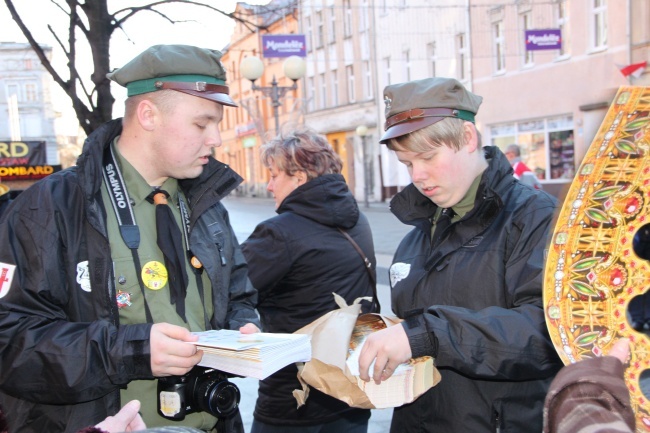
(368, 266)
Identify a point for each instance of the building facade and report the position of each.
(551, 102)
(337, 96)
(416, 40)
(27, 134)
(245, 128)
(341, 86)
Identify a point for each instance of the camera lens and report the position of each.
(219, 398)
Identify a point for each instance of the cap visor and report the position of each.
(221, 98)
(407, 127)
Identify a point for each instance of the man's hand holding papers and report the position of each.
(255, 355)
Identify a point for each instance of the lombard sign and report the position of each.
(548, 39)
(27, 172)
(283, 45)
(22, 153)
(24, 160)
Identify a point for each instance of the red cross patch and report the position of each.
(6, 276)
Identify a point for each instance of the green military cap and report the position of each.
(413, 105)
(184, 68)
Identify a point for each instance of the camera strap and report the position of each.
(130, 232)
(231, 424)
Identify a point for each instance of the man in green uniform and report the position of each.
(109, 266)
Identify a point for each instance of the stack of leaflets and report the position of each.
(251, 355)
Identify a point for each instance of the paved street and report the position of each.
(246, 213)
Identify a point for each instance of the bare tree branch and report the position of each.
(36, 47)
(71, 63)
(93, 105)
(130, 11)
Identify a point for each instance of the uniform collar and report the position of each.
(137, 187)
(467, 203)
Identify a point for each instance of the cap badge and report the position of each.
(388, 102)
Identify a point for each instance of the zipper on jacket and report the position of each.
(221, 256)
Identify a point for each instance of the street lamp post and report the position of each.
(362, 131)
(294, 67)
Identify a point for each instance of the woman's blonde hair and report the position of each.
(301, 149)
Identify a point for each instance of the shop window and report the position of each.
(547, 145)
(562, 150)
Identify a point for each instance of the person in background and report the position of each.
(467, 279)
(519, 169)
(590, 396)
(296, 260)
(513, 153)
(97, 301)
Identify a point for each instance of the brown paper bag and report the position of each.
(328, 372)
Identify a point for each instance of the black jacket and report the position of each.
(63, 354)
(296, 260)
(475, 303)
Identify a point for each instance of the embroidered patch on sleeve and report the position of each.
(399, 271)
(83, 277)
(6, 276)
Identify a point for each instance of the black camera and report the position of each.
(200, 390)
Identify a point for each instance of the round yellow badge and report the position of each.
(154, 275)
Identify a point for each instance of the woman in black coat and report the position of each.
(296, 260)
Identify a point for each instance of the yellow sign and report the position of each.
(22, 172)
(13, 149)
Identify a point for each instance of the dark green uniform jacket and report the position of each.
(63, 355)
